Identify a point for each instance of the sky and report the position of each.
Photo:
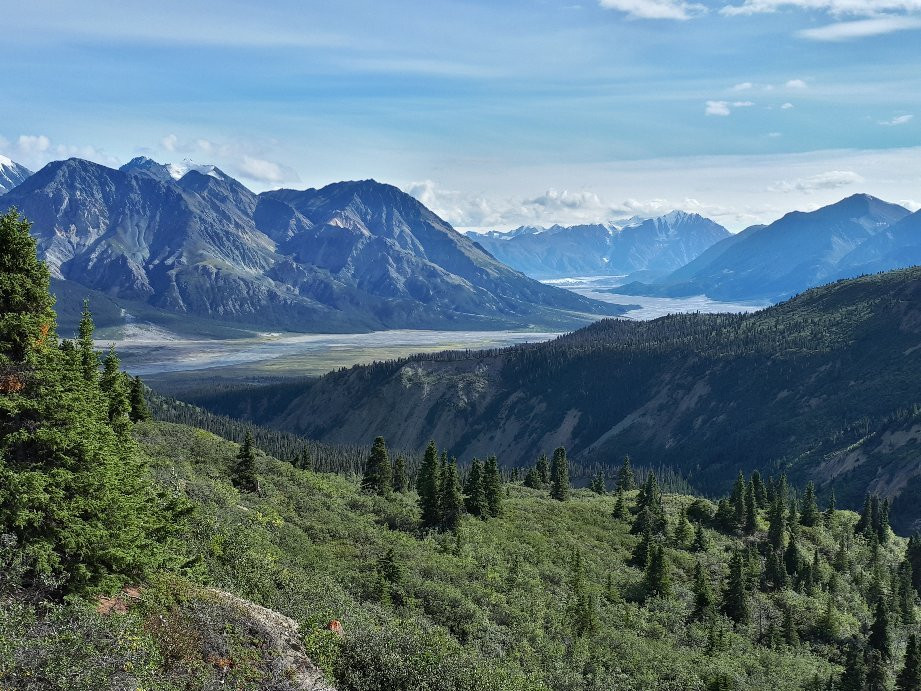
(493, 113)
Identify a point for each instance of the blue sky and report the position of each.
(494, 113)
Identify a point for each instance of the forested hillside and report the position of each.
(824, 387)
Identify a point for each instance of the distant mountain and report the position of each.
(351, 256)
(796, 252)
(657, 246)
(11, 174)
(823, 387)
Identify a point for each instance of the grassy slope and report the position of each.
(496, 598)
(489, 608)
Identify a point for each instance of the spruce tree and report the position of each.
(735, 597)
(864, 523)
(777, 520)
(625, 478)
(701, 543)
(751, 509)
(854, 674)
(89, 359)
(879, 637)
(492, 484)
(790, 634)
(377, 477)
(532, 479)
(877, 677)
(703, 594)
(475, 501)
(428, 485)
(909, 678)
(559, 475)
(641, 552)
(657, 580)
(451, 499)
(683, 530)
(620, 507)
(74, 493)
(139, 411)
(830, 509)
(398, 473)
(809, 516)
(112, 384)
(597, 484)
(244, 471)
(737, 500)
(761, 497)
(543, 470)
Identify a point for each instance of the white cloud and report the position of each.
(831, 180)
(796, 84)
(860, 28)
(864, 8)
(655, 9)
(261, 170)
(33, 144)
(724, 108)
(786, 106)
(170, 142)
(897, 120)
(744, 86)
(775, 135)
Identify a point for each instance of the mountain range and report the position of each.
(860, 234)
(352, 256)
(823, 387)
(655, 246)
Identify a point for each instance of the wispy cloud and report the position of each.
(830, 180)
(787, 106)
(860, 28)
(655, 9)
(865, 8)
(240, 158)
(897, 120)
(724, 108)
(796, 84)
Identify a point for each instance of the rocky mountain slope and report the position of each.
(824, 386)
(11, 174)
(352, 256)
(796, 252)
(657, 246)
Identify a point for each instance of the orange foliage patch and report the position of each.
(335, 626)
(43, 330)
(11, 383)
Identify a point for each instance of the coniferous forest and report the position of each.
(147, 544)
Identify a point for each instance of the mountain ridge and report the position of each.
(349, 256)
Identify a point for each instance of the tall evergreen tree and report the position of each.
(377, 477)
(451, 501)
(761, 496)
(777, 520)
(877, 676)
(559, 475)
(703, 594)
(620, 507)
(597, 484)
(809, 516)
(492, 484)
(701, 543)
(735, 597)
(625, 478)
(854, 674)
(112, 384)
(657, 580)
(737, 499)
(683, 530)
(139, 412)
(74, 493)
(543, 469)
(751, 509)
(244, 471)
(909, 678)
(398, 473)
(830, 509)
(428, 485)
(879, 638)
(89, 358)
(475, 501)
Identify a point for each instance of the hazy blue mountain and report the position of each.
(11, 174)
(656, 245)
(896, 246)
(351, 256)
(796, 252)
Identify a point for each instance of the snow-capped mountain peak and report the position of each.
(11, 174)
(170, 171)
